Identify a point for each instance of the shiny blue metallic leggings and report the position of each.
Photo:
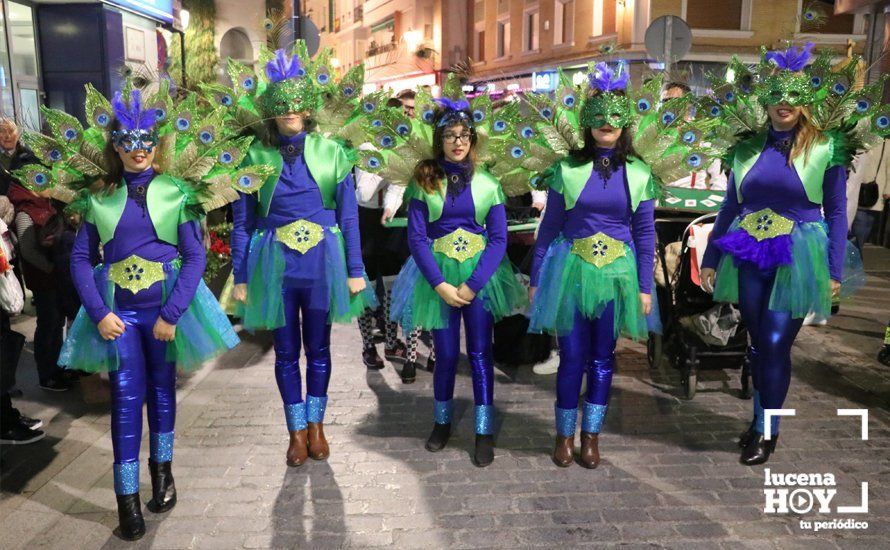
(589, 347)
(772, 334)
(144, 376)
(479, 334)
(316, 341)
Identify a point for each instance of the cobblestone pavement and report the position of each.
(670, 476)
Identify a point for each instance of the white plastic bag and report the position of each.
(12, 298)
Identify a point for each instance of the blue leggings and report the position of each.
(144, 376)
(479, 334)
(772, 334)
(316, 342)
(591, 347)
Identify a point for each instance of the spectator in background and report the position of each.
(15, 429)
(383, 253)
(13, 154)
(713, 176)
(32, 213)
(871, 166)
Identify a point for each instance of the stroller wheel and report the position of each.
(689, 383)
(745, 379)
(655, 350)
(689, 372)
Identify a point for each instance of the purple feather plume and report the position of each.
(793, 59)
(765, 254)
(132, 116)
(453, 105)
(605, 79)
(282, 67)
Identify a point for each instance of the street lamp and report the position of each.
(184, 17)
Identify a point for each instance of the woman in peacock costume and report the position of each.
(779, 247)
(592, 271)
(457, 235)
(296, 248)
(140, 177)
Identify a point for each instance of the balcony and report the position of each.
(378, 49)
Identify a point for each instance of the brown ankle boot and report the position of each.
(564, 451)
(590, 452)
(298, 450)
(318, 445)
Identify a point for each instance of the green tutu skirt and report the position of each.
(569, 284)
(325, 279)
(202, 332)
(415, 304)
(803, 286)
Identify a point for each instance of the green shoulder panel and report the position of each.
(167, 201)
(486, 192)
(264, 154)
(105, 211)
(328, 161)
(809, 167)
(640, 183)
(571, 176)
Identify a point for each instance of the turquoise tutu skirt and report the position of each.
(415, 304)
(803, 286)
(569, 284)
(202, 333)
(266, 263)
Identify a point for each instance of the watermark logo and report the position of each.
(804, 493)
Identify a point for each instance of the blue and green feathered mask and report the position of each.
(137, 124)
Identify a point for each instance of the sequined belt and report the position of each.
(766, 224)
(460, 245)
(301, 235)
(599, 249)
(136, 274)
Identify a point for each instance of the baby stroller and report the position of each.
(697, 333)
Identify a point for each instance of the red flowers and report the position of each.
(218, 245)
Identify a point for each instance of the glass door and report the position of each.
(25, 69)
(7, 105)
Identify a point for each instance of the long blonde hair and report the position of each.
(807, 136)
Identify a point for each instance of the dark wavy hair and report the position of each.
(428, 174)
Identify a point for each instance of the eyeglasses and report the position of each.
(453, 138)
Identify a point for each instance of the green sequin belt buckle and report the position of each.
(136, 274)
(599, 249)
(460, 245)
(766, 224)
(301, 235)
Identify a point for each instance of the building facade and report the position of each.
(50, 50)
(518, 44)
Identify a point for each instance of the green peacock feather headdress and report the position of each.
(192, 144)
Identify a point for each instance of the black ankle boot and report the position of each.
(758, 449)
(484, 454)
(163, 489)
(439, 438)
(746, 436)
(129, 516)
(409, 372)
